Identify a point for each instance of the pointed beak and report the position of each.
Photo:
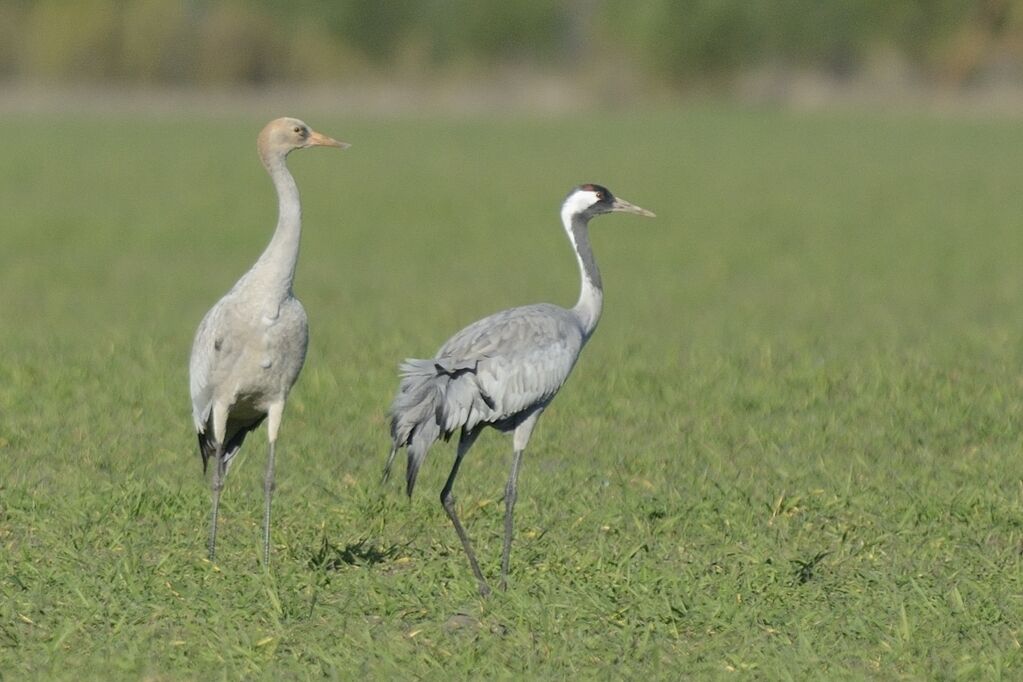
(623, 206)
(320, 140)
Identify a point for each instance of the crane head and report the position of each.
(284, 135)
(592, 200)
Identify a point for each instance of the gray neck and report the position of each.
(591, 294)
(274, 272)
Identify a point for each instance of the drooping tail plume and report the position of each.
(416, 415)
(435, 398)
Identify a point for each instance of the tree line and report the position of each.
(673, 42)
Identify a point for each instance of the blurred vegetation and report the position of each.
(676, 42)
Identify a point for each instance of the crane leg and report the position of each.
(272, 426)
(215, 488)
(465, 442)
(268, 492)
(511, 491)
(219, 419)
(390, 461)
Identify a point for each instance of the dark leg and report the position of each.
(387, 467)
(268, 492)
(510, 495)
(465, 442)
(511, 492)
(219, 470)
(273, 425)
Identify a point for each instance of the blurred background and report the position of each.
(530, 53)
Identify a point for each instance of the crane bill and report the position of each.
(626, 207)
(320, 140)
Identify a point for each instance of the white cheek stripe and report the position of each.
(579, 201)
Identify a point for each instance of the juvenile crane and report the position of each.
(250, 346)
(501, 371)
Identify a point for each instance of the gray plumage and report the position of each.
(490, 373)
(250, 346)
(501, 372)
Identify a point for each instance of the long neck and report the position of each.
(591, 294)
(275, 269)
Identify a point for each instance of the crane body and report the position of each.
(251, 345)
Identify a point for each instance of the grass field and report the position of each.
(792, 449)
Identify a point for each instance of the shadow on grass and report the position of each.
(806, 570)
(331, 557)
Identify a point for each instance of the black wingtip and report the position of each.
(206, 450)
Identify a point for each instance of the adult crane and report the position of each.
(251, 345)
(502, 372)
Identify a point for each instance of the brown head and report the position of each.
(284, 135)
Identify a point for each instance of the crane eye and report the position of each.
(298, 130)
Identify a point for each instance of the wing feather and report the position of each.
(202, 364)
(201, 369)
(522, 357)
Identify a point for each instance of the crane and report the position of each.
(501, 371)
(251, 345)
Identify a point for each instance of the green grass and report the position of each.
(792, 449)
